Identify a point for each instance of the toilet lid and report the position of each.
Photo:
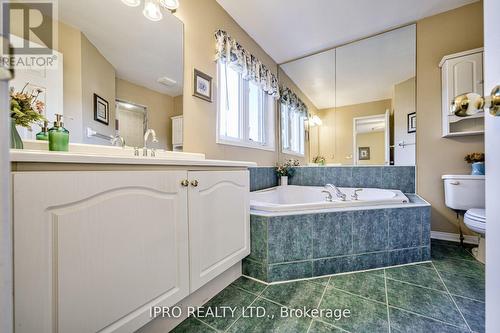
(476, 214)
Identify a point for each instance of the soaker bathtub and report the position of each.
(304, 198)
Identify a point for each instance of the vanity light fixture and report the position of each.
(132, 3)
(315, 121)
(171, 5)
(152, 10)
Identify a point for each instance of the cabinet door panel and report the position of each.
(97, 249)
(218, 223)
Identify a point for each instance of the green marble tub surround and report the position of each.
(389, 177)
(406, 299)
(296, 246)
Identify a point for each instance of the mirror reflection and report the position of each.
(364, 100)
(108, 83)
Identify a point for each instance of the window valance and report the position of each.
(230, 52)
(292, 101)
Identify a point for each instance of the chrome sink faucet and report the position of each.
(118, 138)
(341, 195)
(149, 132)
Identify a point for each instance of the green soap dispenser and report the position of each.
(58, 136)
(43, 135)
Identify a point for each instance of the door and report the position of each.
(492, 138)
(95, 250)
(6, 292)
(219, 222)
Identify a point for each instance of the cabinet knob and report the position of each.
(194, 183)
(185, 183)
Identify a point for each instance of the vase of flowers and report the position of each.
(477, 163)
(25, 110)
(286, 170)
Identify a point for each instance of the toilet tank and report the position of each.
(463, 192)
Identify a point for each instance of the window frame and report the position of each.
(287, 149)
(267, 112)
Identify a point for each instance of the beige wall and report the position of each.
(98, 76)
(450, 32)
(335, 135)
(201, 20)
(160, 109)
(70, 45)
(178, 105)
(287, 82)
(376, 142)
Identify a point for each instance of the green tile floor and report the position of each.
(444, 296)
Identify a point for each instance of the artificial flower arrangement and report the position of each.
(474, 157)
(287, 169)
(476, 160)
(25, 108)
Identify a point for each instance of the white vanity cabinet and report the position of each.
(94, 250)
(219, 227)
(461, 73)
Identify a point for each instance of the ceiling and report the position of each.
(359, 72)
(289, 29)
(140, 50)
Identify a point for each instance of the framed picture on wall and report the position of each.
(101, 110)
(202, 86)
(364, 153)
(412, 122)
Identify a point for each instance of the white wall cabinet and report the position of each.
(95, 250)
(177, 133)
(461, 73)
(219, 227)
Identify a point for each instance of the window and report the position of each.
(292, 131)
(245, 111)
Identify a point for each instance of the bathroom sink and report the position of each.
(88, 149)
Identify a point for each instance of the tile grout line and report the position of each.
(318, 319)
(433, 289)
(387, 302)
(423, 316)
(201, 321)
(395, 307)
(452, 299)
(320, 300)
(255, 299)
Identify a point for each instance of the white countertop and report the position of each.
(185, 159)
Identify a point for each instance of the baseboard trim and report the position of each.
(447, 236)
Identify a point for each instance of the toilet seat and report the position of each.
(475, 219)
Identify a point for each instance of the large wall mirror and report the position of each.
(114, 76)
(361, 99)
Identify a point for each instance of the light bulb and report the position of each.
(152, 10)
(170, 4)
(132, 3)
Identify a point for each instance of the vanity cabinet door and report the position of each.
(95, 250)
(219, 227)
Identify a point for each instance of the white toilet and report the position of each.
(467, 193)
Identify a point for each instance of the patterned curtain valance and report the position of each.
(290, 99)
(232, 53)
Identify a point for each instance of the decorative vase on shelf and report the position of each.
(284, 180)
(15, 139)
(478, 168)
